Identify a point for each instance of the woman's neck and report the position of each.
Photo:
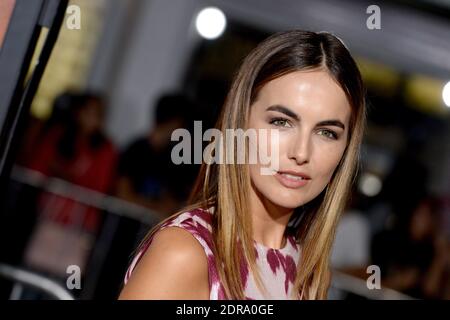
(269, 221)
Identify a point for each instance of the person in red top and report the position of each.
(80, 153)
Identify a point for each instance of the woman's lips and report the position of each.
(291, 181)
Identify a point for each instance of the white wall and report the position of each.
(152, 62)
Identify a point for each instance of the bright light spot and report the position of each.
(210, 23)
(369, 184)
(446, 94)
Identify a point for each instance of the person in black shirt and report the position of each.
(147, 175)
(414, 256)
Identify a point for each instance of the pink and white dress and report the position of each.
(277, 266)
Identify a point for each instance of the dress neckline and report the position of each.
(266, 248)
(285, 249)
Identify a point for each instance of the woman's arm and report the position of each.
(174, 267)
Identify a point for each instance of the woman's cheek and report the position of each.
(330, 159)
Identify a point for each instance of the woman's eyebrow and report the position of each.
(284, 110)
(336, 123)
(294, 116)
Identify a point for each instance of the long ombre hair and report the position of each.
(226, 187)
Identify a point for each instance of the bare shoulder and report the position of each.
(173, 267)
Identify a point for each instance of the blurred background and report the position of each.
(89, 150)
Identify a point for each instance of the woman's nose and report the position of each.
(300, 149)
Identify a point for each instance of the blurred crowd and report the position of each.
(400, 230)
(72, 145)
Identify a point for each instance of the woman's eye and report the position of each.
(328, 133)
(279, 122)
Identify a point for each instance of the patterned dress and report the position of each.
(277, 266)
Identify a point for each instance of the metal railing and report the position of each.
(84, 195)
(23, 277)
(119, 207)
(113, 206)
(350, 284)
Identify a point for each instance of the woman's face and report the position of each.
(421, 224)
(90, 117)
(311, 113)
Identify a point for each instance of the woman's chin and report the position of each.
(286, 201)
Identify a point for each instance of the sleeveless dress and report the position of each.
(278, 267)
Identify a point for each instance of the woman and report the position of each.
(79, 152)
(76, 150)
(253, 236)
